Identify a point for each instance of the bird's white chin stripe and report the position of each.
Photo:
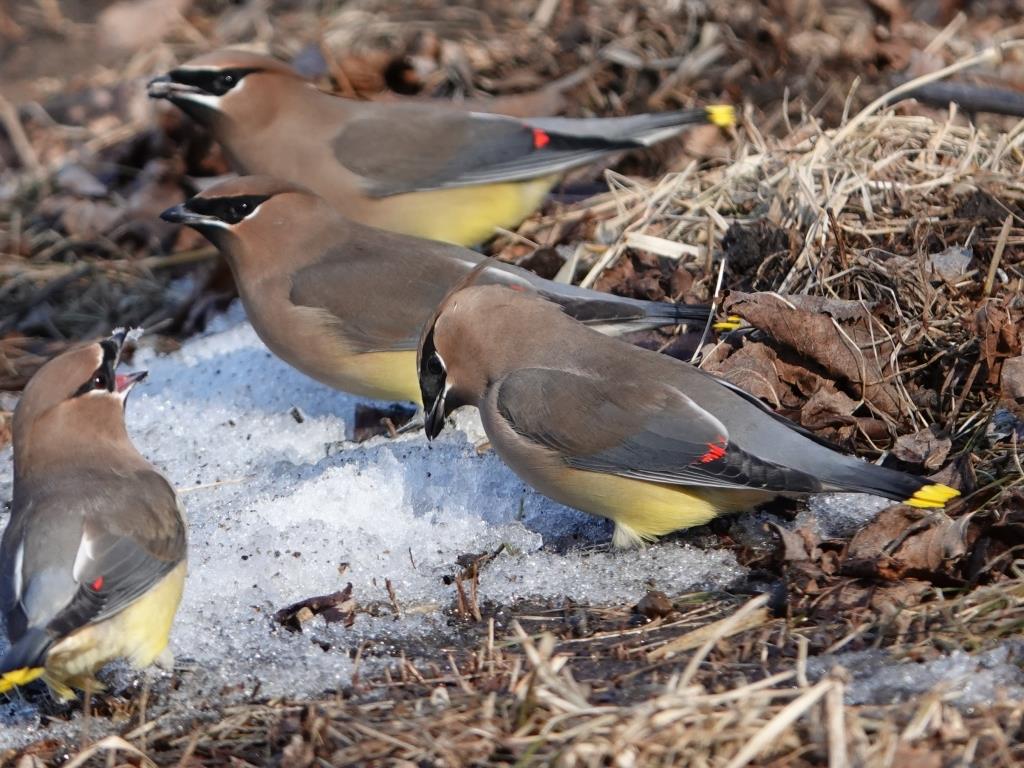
(210, 221)
(206, 99)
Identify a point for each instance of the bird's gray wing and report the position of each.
(129, 532)
(648, 431)
(412, 148)
(378, 293)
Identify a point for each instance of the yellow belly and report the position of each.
(382, 376)
(462, 215)
(643, 511)
(139, 633)
(312, 340)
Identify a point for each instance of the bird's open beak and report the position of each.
(125, 381)
(164, 87)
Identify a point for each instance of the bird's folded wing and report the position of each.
(371, 304)
(124, 551)
(417, 149)
(650, 432)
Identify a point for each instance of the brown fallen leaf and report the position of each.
(836, 335)
(752, 369)
(905, 542)
(1000, 334)
(795, 546)
(925, 448)
(335, 607)
(636, 274)
(1011, 380)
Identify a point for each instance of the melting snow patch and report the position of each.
(280, 510)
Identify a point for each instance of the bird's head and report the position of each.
(253, 218)
(460, 352)
(76, 399)
(228, 87)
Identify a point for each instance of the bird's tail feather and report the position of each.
(23, 662)
(618, 314)
(898, 486)
(634, 130)
(677, 312)
(16, 677)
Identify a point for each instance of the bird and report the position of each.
(594, 423)
(425, 169)
(344, 303)
(93, 560)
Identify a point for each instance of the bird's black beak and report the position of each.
(166, 87)
(112, 349)
(125, 381)
(180, 214)
(159, 87)
(434, 419)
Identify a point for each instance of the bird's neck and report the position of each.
(43, 451)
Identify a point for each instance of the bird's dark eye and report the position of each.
(240, 210)
(223, 83)
(435, 366)
(102, 378)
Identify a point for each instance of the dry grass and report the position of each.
(741, 697)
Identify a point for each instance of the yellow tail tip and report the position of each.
(932, 496)
(17, 677)
(731, 323)
(722, 115)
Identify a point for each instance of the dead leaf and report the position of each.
(999, 333)
(797, 546)
(837, 335)
(951, 263)
(828, 407)
(752, 369)
(1011, 380)
(902, 541)
(335, 607)
(926, 448)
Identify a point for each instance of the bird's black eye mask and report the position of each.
(215, 82)
(105, 376)
(433, 382)
(230, 210)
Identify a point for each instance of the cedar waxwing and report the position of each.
(345, 303)
(93, 558)
(618, 431)
(421, 169)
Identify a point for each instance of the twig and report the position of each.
(997, 255)
(711, 314)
